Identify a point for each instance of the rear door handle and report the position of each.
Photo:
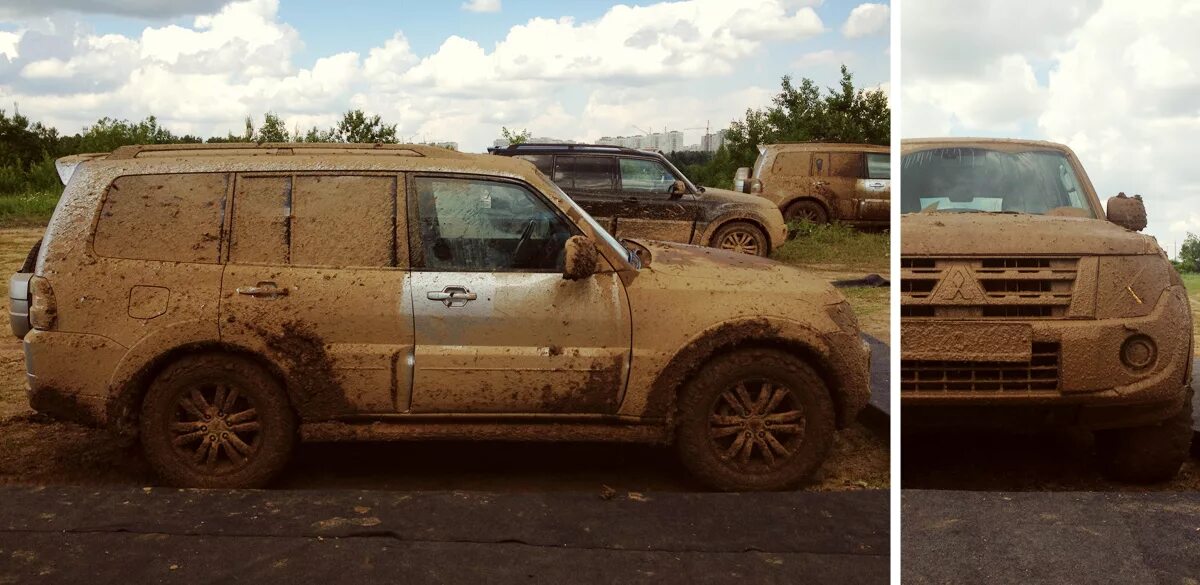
(452, 296)
(263, 290)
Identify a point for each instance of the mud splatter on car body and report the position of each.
(823, 182)
(322, 264)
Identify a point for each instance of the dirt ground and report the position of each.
(41, 451)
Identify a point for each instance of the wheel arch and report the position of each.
(725, 221)
(783, 207)
(788, 336)
(125, 399)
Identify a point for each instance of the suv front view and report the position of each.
(221, 301)
(640, 194)
(1022, 305)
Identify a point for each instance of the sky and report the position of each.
(1116, 80)
(450, 70)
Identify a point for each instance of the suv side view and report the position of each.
(221, 302)
(640, 194)
(1024, 304)
(823, 182)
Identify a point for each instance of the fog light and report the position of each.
(1138, 352)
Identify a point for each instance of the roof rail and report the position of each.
(278, 148)
(568, 146)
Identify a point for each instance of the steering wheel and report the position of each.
(523, 242)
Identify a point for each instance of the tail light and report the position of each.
(42, 308)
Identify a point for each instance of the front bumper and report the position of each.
(67, 374)
(1092, 386)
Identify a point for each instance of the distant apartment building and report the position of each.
(671, 141)
(712, 142)
(448, 145)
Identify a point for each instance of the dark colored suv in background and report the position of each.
(640, 194)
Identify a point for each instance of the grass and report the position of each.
(27, 209)
(872, 305)
(835, 246)
(1191, 281)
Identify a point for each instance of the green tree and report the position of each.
(273, 129)
(514, 137)
(109, 133)
(1189, 254)
(355, 126)
(801, 113)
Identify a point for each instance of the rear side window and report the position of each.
(543, 162)
(846, 164)
(879, 165)
(588, 173)
(327, 220)
(791, 163)
(170, 217)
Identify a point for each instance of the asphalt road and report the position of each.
(1063, 537)
(74, 534)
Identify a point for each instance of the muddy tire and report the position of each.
(743, 237)
(754, 420)
(806, 210)
(1148, 454)
(216, 421)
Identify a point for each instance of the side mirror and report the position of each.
(582, 257)
(739, 179)
(678, 188)
(1127, 212)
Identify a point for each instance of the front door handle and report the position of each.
(263, 290)
(452, 296)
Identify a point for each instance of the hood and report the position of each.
(727, 196)
(700, 269)
(940, 234)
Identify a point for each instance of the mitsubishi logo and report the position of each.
(958, 287)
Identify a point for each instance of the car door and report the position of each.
(498, 329)
(874, 188)
(591, 182)
(316, 279)
(648, 208)
(845, 169)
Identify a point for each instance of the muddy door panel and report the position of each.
(647, 208)
(319, 289)
(874, 199)
(519, 343)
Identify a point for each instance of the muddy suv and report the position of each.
(640, 194)
(1023, 304)
(220, 301)
(823, 182)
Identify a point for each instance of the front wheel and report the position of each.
(754, 420)
(216, 421)
(1148, 454)
(742, 237)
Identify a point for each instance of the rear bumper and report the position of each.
(18, 303)
(1094, 388)
(67, 374)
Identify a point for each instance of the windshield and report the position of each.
(980, 180)
(607, 237)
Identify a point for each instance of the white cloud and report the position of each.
(562, 77)
(481, 6)
(1118, 85)
(866, 20)
(823, 57)
(135, 8)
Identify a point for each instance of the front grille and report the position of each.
(996, 287)
(1040, 373)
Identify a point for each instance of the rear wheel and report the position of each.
(754, 420)
(1148, 454)
(216, 421)
(806, 210)
(742, 237)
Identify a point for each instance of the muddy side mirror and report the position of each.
(582, 257)
(678, 188)
(1127, 212)
(739, 179)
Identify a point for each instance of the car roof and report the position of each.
(830, 146)
(561, 147)
(913, 144)
(242, 157)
